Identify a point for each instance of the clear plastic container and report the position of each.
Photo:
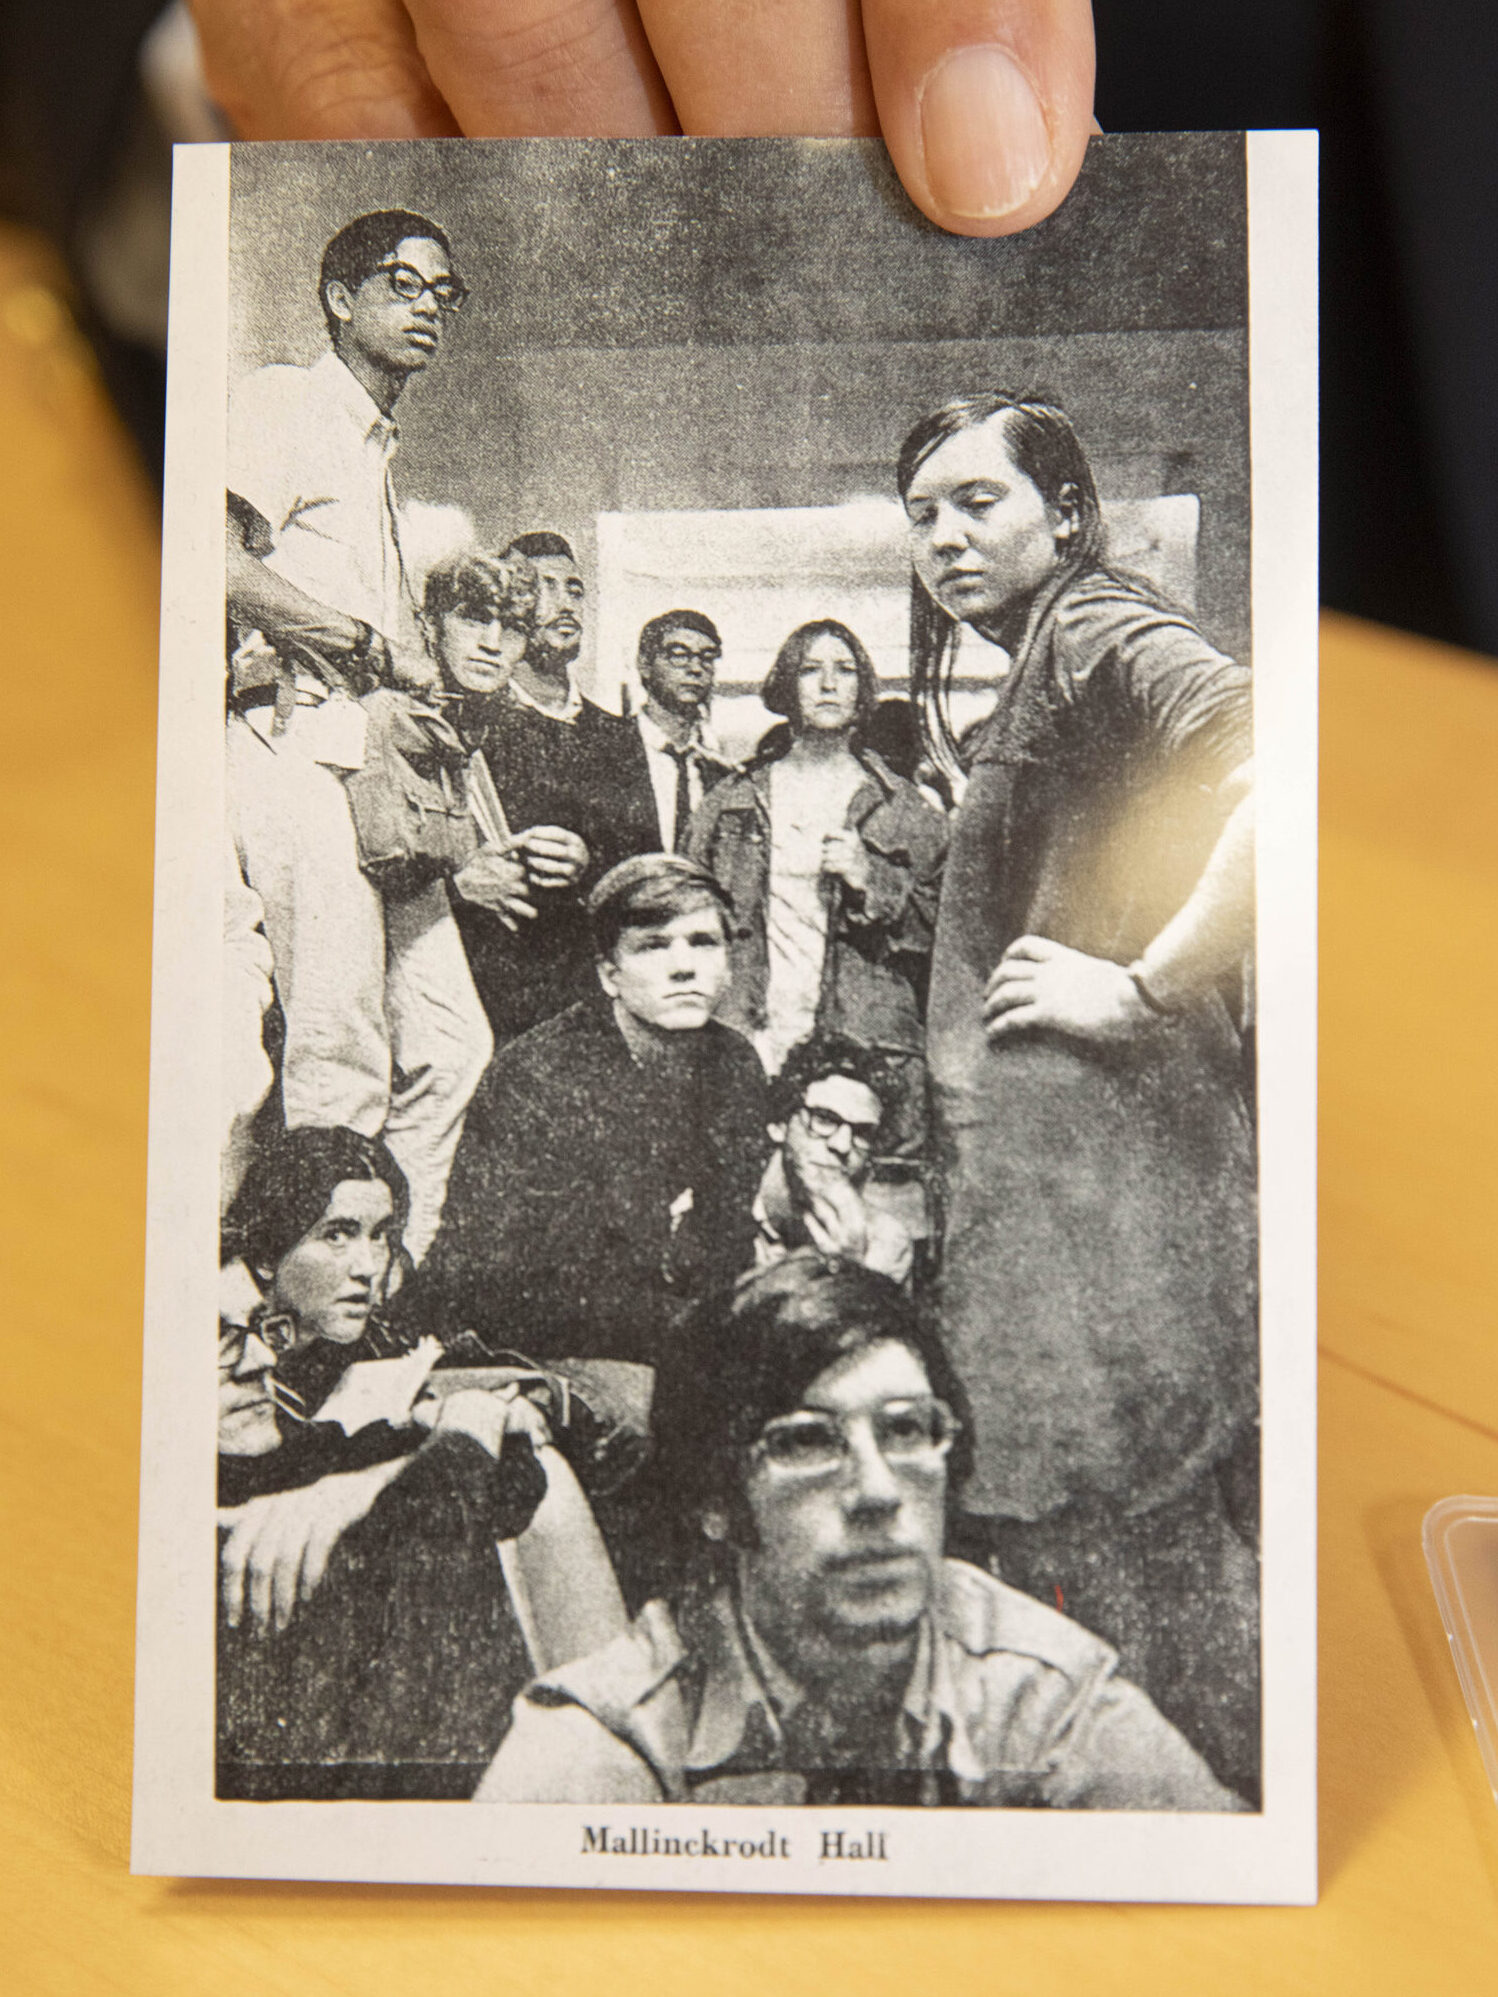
(1461, 1549)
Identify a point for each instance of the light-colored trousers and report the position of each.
(384, 1030)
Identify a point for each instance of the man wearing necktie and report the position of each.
(678, 659)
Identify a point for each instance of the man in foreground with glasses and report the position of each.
(822, 1649)
(830, 1102)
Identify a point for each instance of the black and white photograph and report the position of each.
(734, 1000)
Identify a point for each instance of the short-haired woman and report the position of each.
(832, 863)
(1087, 984)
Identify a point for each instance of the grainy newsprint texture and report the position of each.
(739, 1069)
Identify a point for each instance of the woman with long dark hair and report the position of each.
(1096, 920)
(832, 863)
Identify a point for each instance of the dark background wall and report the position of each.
(1403, 92)
(629, 346)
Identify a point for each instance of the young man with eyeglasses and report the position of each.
(824, 1650)
(385, 1033)
(677, 663)
(829, 1103)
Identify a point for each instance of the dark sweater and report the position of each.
(567, 1230)
(396, 1679)
(589, 776)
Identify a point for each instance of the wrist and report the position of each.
(1161, 1005)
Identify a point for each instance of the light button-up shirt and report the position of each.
(311, 451)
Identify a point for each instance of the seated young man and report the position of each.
(829, 1103)
(826, 1651)
(609, 1161)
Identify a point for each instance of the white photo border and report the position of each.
(179, 1827)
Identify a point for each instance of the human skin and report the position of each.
(823, 1174)
(557, 635)
(827, 687)
(477, 653)
(985, 105)
(329, 1282)
(844, 1154)
(667, 978)
(679, 691)
(382, 338)
(982, 540)
(246, 1404)
(843, 1568)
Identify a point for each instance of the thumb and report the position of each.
(985, 105)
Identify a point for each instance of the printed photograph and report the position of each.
(739, 1251)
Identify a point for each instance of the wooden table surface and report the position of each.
(1409, 1371)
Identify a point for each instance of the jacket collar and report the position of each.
(746, 1695)
(879, 785)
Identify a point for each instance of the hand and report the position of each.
(985, 104)
(845, 855)
(1043, 984)
(276, 1548)
(836, 1219)
(554, 857)
(496, 880)
(486, 1414)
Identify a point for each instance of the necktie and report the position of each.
(681, 816)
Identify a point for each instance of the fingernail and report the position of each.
(985, 137)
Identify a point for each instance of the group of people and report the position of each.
(738, 1280)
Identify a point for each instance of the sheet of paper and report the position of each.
(946, 602)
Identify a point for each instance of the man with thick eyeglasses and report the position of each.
(315, 540)
(821, 1648)
(677, 661)
(829, 1104)
(385, 1033)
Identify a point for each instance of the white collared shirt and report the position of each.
(311, 452)
(570, 709)
(663, 768)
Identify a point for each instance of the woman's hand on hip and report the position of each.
(1040, 984)
(985, 105)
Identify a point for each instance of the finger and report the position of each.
(1009, 979)
(1005, 997)
(1014, 971)
(286, 1578)
(765, 67)
(544, 68)
(1015, 1020)
(319, 69)
(985, 104)
(259, 1598)
(315, 1557)
(1029, 950)
(231, 1561)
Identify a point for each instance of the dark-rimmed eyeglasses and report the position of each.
(826, 1124)
(407, 282)
(914, 1435)
(684, 655)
